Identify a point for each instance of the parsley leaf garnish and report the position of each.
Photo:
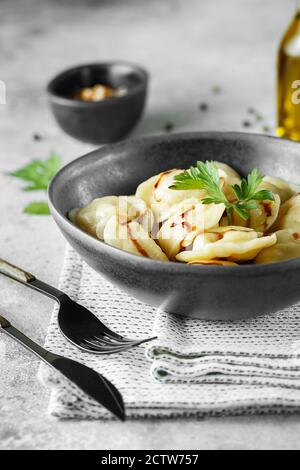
(37, 208)
(38, 174)
(205, 176)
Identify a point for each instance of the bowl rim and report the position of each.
(64, 100)
(163, 266)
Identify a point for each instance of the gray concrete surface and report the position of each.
(188, 47)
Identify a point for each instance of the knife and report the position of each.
(92, 383)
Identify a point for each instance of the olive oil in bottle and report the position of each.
(288, 92)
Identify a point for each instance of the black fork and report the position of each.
(80, 326)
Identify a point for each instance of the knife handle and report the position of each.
(4, 323)
(88, 380)
(12, 271)
(28, 279)
(33, 347)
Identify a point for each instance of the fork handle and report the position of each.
(12, 271)
(28, 279)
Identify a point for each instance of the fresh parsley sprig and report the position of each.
(205, 176)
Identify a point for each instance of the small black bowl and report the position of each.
(104, 121)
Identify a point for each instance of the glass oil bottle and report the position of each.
(288, 91)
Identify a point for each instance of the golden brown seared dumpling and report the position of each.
(179, 231)
(95, 215)
(277, 186)
(161, 199)
(289, 215)
(233, 243)
(230, 177)
(260, 219)
(286, 247)
(132, 237)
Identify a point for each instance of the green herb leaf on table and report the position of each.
(205, 176)
(37, 208)
(38, 173)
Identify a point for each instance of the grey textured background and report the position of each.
(188, 47)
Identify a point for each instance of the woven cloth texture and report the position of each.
(194, 368)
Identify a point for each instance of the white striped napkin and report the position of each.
(197, 368)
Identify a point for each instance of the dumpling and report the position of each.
(286, 247)
(147, 221)
(157, 195)
(95, 215)
(179, 231)
(130, 207)
(260, 219)
(213, 262)
(234, 243)
(230, 177)
(145, 190)
(97, 212)
(161, 199)
(277, 186)
(289, 215)
(164, 211)
(156, 189)
(132, 237)
(263, 218)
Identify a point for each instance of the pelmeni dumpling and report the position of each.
(234, 243)
(160, 198)
(97, 212)
(277, 186)
(164, 211)
(95, 215)
(145, 189)
(131, 207)
(213, 262)
(179, 231)
(286, 247)
(156, 189)
(230, 178)
(132, 237)
(289, 215)
(260, 219)
(147, 221)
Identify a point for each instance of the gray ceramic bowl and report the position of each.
(104, 121)
(206, 292)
